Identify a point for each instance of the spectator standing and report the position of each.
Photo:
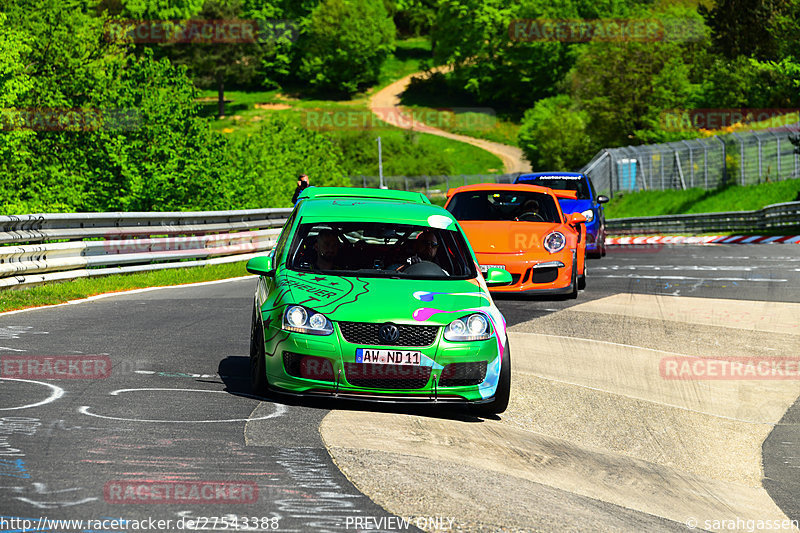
(302, 183)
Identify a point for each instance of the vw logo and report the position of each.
(389, 333)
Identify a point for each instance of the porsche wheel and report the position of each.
(574, 294)
(258, 365)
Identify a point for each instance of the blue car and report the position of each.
(589, 204)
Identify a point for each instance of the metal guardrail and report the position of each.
(776, 217)
(59, 246)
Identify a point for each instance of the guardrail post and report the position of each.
(760, 160)
(724, 161)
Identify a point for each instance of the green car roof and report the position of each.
(339, 209)
(360, 192)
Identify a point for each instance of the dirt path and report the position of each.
(385, 104)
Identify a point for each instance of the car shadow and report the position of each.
(234, 371)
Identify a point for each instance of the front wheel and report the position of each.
(574, 294)
(503, 393)
(258, 364)
(582, 278)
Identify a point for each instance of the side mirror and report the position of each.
(602, 199)
(497, 277)
(576, 218)
(261, 265)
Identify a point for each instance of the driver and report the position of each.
(425, 247)
(530, 209)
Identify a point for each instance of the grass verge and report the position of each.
(733, 198)
(57, 293)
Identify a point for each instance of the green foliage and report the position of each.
(266, 165)
(409, 153)
(153, 9)
(764, 29)
(413, 17)
(625, 88)
(554, 136)
(145, 147)
(343, 45)
(748, 82)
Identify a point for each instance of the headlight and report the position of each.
(589, 214)
(469, 328)
(554, 242)
(301, 320)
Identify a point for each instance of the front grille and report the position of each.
(463, 374)
(380, 376)
(308, 367)
(291, 362)
(515, 278)
(527, 276)
(545, 275)
(367, 333)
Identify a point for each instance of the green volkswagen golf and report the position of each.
(376, 295)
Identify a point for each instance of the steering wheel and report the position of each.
(530, 216)
(424, 268)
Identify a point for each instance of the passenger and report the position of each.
(329, 251)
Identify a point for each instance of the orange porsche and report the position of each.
(522, 229)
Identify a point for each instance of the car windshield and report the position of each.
(523, 206)
(371, 249)
(567, 183)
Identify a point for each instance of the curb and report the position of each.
(713, 239)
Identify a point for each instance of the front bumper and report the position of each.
(433, 381)
(534, 274)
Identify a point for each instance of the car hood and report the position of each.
(402, 301)
(574, 206)
(507, 237)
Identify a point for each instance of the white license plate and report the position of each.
(485, 268)
(388, 357)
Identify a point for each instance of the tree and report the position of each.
(343, 45)
(217, 63)
(758, 28)
(626, 87)
(553, 135)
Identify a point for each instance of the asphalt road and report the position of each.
(166, 416)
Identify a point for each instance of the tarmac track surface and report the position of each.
(595, 438)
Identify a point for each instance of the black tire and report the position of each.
(258, 364)
(574, 294)
(582, 279)
(603, 250)
(499, 402)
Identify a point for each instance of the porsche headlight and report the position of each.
(589, 214)
(474, 327)
(302, 320)
(554, 242)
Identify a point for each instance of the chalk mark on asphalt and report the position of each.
(280, 409)
(57, 393)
